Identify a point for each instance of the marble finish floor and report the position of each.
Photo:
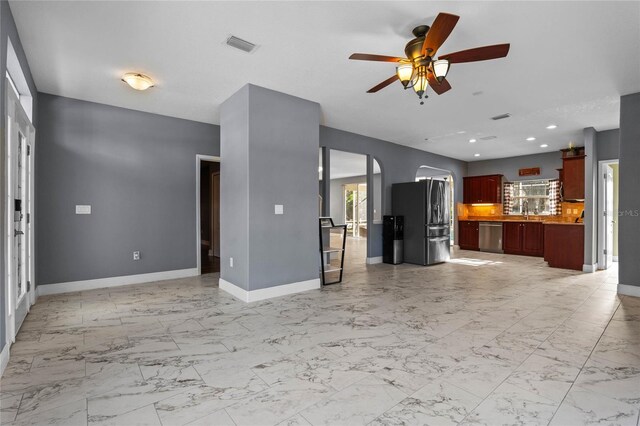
(485, 339)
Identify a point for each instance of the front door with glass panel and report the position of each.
(19, 190)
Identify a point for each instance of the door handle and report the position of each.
(16, 233)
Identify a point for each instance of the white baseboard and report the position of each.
(374, 260)
(114, 281)
(629, 290)
(4, 358)
(615, 258)
(590, 268)
(268, 293)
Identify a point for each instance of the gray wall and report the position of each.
(548, 162)
(137, 171)
(590, 201)
(629, 203)
(608, 142)
(336, 203)
(272, 138)
(398, 164)
(234, 187)
(8, 30)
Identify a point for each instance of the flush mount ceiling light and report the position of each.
(531, 138)
(138, 81)
(552, 126)
(472, 141)
(420, 69)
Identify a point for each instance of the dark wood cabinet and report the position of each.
(525, 238)
(573, 177)
(469, 235)
(482, 189)
(564, 245)
(512, 237)
(533, 239)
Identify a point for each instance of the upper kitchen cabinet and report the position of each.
(482, 189)
(572, 173)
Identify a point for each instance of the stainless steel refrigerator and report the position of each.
(426, 207)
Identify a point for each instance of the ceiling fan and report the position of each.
(420, 69)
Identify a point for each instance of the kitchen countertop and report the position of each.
(519, 219)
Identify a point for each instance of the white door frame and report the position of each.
(602, 228)
(17, 121)
(199, 159)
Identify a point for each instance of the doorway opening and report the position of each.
(348, 202)
(208, 214)
(608, 183)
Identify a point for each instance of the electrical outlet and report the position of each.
(231, 262)
(575, 211)
(136, 255)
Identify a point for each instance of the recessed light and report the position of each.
(462, 132)
(552, 126)
(544, 145)
(476, 155)
(472, 141)
(531, 138)
(137, 81)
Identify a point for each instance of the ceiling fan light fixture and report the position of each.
(420, 83)
(405, 73)
(440, 68)
(138, 81)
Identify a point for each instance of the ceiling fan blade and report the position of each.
(438, 33)
(438, 86)
(382, 85)
(478, 54)
(379, 58)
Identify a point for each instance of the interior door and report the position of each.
(215, 199)
(20, 136)
(609, 217)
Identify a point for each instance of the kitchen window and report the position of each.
(541, 196)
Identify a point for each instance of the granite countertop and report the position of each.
(545, 221)
(553, 222)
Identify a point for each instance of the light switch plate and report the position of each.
(83, 209)
(279, 209)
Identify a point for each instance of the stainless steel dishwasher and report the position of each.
(491, 236)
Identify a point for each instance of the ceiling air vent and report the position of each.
(501, 116)
(241, 44)
(488, 138)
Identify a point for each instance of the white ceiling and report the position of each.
(568, 65)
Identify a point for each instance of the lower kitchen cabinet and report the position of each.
(564, 246)
(512, 237)
(469, 235)
(525, 238)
